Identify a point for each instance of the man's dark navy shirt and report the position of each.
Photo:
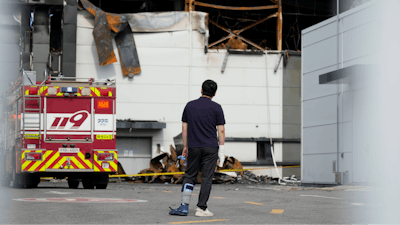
(203, 116)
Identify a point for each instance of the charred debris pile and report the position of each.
(172, 169)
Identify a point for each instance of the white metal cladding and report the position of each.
(236, 149)
(174, 66)
(332, 124)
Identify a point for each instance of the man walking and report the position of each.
(200, 121)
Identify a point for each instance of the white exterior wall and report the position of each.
(333, 116)
(173, 70)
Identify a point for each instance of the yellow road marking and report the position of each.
(255, 203)
(198, 221)
(277, 211)
(319, 196)
(167, 191)
(219, 197)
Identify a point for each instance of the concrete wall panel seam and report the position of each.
(322, 96)
(327, 124)
(318, 25)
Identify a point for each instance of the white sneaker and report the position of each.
(200, 212)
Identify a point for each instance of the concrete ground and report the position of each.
(230, 203)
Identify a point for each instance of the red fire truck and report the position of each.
(62, 128)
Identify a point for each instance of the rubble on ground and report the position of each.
(169, 163)
(164, 163)
(249, 177)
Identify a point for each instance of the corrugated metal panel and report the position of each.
(128, 55)
(103, 25)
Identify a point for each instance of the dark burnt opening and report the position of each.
(56, 15)
(297, 15)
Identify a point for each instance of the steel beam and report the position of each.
(235, 8)
(238, 36)
(279, 27)
(245, 28)
(189, 5)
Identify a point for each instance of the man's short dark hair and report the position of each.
(209, 88)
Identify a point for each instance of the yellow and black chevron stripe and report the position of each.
(55, 161)
(42, 90)
(97, 164)
(52, 160)
(29, 165)
(95, 91)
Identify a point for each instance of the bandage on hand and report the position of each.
(221, 155)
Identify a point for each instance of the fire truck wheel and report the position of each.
(87, 184)
(16, 180)
(101, 186)
(100, 181)
(73, 184)
(26, 180)
(15, 177)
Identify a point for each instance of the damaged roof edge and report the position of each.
(173, 21)
(125, 24)
(106, 23)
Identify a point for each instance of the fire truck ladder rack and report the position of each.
(36, 124)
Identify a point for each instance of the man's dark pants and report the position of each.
(203, 160)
